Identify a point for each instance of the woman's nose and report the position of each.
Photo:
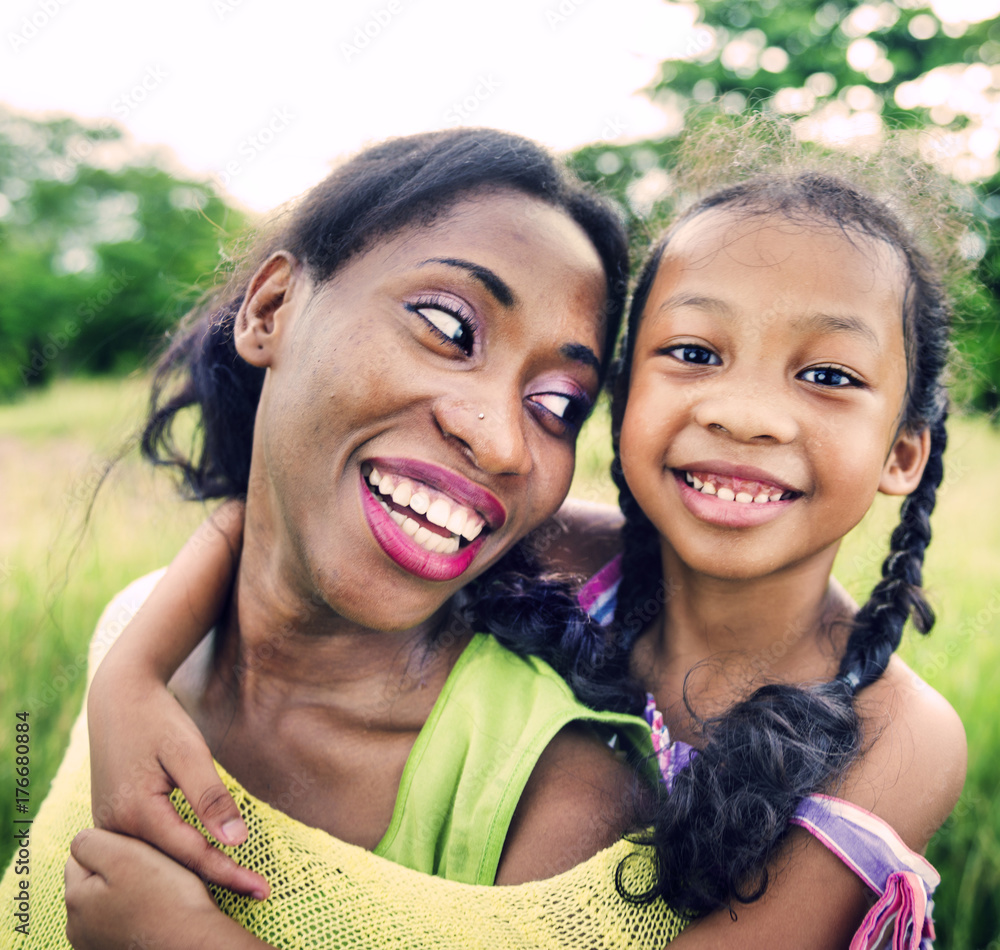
(491, 430)
(748, 415)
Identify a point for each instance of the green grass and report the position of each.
(55, 577)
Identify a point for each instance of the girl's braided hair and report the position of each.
(725, 820)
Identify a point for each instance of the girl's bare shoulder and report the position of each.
(915, 755)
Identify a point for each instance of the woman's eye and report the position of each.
(828, 376)
(569, 410)
(449, 325)
(699, 355)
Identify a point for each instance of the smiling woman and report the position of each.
(394, 382)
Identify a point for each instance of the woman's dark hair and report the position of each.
(729, 809)
(408, 181)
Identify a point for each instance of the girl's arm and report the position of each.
(122, 893)
(910, 776)
(142, 742)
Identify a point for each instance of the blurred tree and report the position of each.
(100, 248)
(843, 71)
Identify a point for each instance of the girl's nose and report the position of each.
(748, 416)
(491, 431)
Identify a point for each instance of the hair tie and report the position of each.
(851, 679)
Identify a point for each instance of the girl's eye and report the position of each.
(568, 410)
(446, 323)
(691, 353)
(829, 376)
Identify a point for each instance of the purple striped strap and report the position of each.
(903, 879)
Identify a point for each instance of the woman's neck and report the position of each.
(718, 638)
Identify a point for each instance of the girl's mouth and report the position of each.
(730, 501)
(743, 491)
(421, 526)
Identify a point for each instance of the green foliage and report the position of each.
(837, 70)
(100, 250)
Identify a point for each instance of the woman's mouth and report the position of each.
(428, 520)
(435, 521)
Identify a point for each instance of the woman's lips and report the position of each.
(421, 517)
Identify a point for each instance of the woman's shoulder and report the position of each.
(915, 756)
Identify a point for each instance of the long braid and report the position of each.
(728, 811)
(879, 624)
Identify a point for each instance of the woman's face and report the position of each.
(420, 409)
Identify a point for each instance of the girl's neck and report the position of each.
(726, 637)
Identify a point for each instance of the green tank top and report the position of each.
(468, 767)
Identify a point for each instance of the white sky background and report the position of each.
(218, 72)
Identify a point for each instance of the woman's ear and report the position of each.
(266, 308)
(906, 462)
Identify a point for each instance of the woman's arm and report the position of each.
(142, 742)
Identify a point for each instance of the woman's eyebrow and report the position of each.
(581, 354)
(491, 281)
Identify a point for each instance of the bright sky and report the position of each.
(264, 94)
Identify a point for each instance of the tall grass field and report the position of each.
(59, 566)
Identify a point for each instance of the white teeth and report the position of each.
(472, 528)
(776, 496)
(697, 482)
(726, 494)
(462, 522)
(709, 489)
(762, 497)
(421, 534)
(744, 498)
(456, 523)
(439, 512)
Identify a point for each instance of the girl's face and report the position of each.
(420, 410)
(766, 392)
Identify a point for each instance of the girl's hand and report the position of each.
(142, 742)
(122, 893)
(156, 748)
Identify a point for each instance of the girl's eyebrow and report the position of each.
(811, 323)
(839, 323)
(490, 280)
(702, 302)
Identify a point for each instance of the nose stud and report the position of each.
(482, 415)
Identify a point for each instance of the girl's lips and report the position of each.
(728, 514)
(402, 548)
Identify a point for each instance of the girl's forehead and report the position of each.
(760, 244)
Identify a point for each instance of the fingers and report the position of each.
(196, 777)
(167, 831)
(94, 850)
